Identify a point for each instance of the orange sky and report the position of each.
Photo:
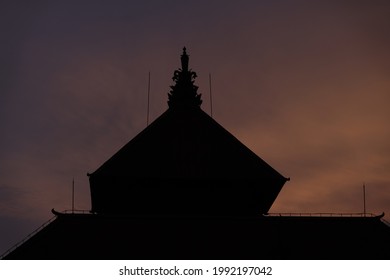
(304, 85)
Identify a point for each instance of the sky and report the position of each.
(303, 84)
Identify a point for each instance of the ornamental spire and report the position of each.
(184, 60)
(184, 92)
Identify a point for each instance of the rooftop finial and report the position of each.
(184, 60)
(184, 92)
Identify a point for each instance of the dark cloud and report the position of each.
(8, 194)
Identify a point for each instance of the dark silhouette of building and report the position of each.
(184, 164)
(185, 188)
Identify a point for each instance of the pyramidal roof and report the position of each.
(187, 160)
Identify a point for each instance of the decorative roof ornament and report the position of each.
(184, 92)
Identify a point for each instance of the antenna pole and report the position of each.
(73, 195)
(364, 199)
(147, 112)
(211, 96)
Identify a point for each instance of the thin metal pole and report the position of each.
(211, 96)
(147, 112)
(364, 199)
(73, 196)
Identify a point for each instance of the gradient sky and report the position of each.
(304, 85)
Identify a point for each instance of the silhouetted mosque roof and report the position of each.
(185, 153)
(185, 188)
(78, 236)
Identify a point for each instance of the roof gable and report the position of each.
(186, 144)
(185, 163)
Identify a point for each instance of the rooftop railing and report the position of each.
(75, 212)
(27, 237)
(321, 215)
(41, 227)
(370, 215)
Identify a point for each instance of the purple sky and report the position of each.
(305, 85)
